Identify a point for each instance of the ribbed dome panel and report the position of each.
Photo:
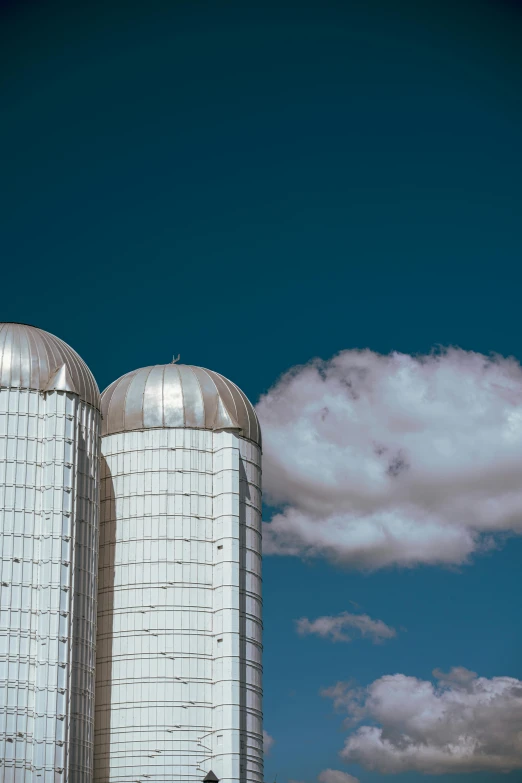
(33, 359)
(177, 395)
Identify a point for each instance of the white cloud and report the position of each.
(463, 723)
(336, 776)
(268, 743)
(393, 460)
(332, 776)
(335, 628)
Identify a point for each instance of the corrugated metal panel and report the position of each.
(48, 570)
(177, 395)
(179, 651)
(33, 359)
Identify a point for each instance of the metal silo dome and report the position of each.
(177, 396)
(33, 359)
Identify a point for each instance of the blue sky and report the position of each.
(254, 185)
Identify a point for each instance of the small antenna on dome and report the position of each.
(176, 359)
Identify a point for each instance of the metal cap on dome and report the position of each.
(33, 359)
(178, 396)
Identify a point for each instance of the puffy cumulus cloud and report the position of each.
(462, 723)
(332, 776)
(268, 743)
(381, 460)
(336, 776)
(336, 627)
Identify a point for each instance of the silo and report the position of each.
(178, 682)
(49, 460)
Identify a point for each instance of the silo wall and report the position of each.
(178, 685)
(49, 461)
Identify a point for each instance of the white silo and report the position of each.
(49, 460)
(178, 682)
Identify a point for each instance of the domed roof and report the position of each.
(177, 395)
(33, 359)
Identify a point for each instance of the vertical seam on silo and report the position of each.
(182, 395)
(114, 385)
(252, 416)
(50, 353)
(215, 387)
(143, 397)
(4, 332)
(133, 373)
(28, 349)
(31, 339)
(69, 365)
(163, 397)
(226, 382)
(202, 395)
(112, 388)
(16, 344)
(246, 402)
(38, 380)
(80, 368)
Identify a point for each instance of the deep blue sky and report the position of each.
(252, 185)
